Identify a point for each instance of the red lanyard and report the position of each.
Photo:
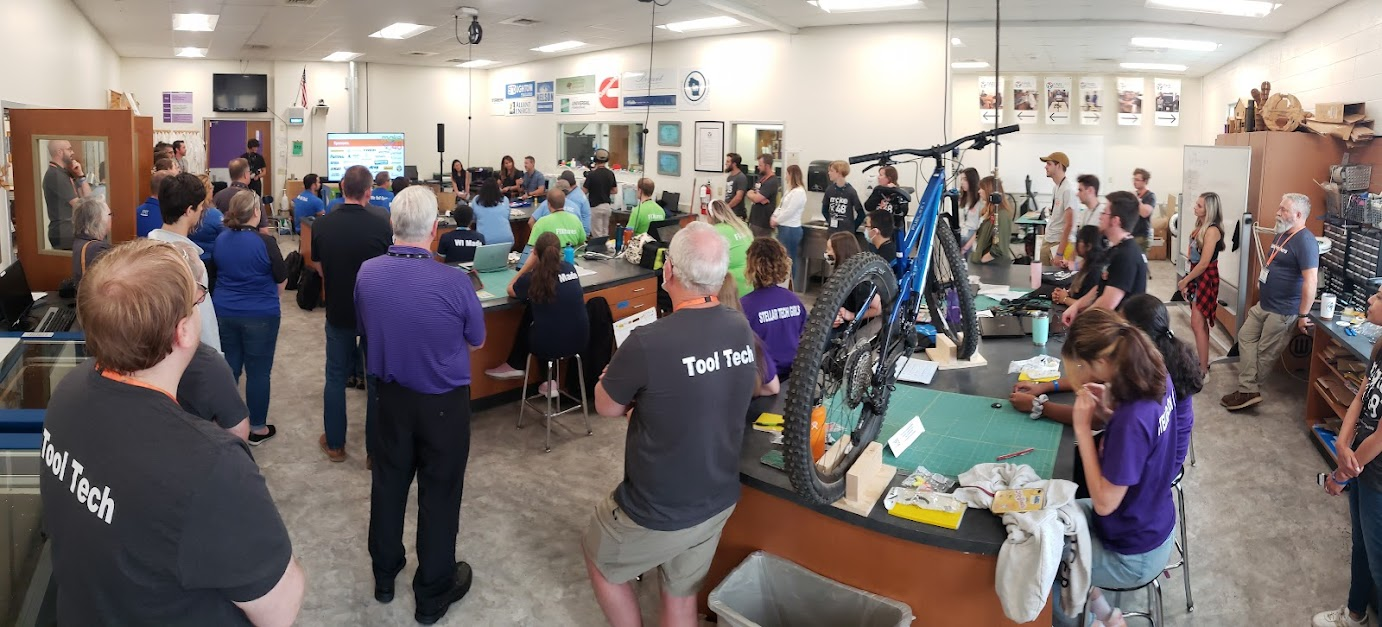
(136, 383)
(1276, 249)
(696, 301)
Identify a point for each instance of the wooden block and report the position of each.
(974, 361)
(943, 352)
(833, 454)
(866, 481)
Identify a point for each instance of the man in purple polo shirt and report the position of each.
(422, 365)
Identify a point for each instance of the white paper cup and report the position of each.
(1327, 303)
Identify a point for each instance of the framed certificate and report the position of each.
(710, 146)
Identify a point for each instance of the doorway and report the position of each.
(226, 140)
(758, 138)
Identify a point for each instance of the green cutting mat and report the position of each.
(963, 430)
(497, 283)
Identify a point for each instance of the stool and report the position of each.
(1192, 449)
(1153, 613)
(553, 368)
(1183, 543)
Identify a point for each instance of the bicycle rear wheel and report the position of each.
(835, 371)
(947, 295)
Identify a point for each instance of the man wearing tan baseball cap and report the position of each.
(1061, 217)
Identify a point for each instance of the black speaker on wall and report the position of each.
(441, 137)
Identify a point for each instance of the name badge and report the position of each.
(1262, 276)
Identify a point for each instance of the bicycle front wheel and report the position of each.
(833, 379)
(947, 295)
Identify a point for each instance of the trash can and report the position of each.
(768, 591)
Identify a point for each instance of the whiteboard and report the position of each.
(1223, 170)
(1020, 155)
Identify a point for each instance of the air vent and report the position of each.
(419, 53)
(519, 21)
(256, 47)
(301, 3)
(455, 60)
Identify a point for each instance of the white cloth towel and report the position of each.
(1036, 550)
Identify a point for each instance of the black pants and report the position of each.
(427, 435)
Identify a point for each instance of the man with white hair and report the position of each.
(1285, 292)
(64, 184)
(422, 368)
(689, 378)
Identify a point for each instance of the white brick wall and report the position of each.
(1336, 57)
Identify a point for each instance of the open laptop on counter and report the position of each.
(23, 308)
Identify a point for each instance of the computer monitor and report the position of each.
(630, 197)
(663, 230)
(15, 296)
(410, 172)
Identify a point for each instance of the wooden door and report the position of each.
(144, 170)
(46, 264)
(619, 145)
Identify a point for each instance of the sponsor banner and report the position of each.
(544, 97)
(1091, 100)
(1130, 101)
(515, 91)
(1058, 100)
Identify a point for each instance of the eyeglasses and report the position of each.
(201, 294)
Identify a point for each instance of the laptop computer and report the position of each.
(1001, 326)
(492, 257)
(664, 230)
(17, 304)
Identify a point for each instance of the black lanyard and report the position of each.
(409, 255)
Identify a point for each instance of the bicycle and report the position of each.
(845, 375)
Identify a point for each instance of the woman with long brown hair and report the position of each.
(839, 249)
(460, 180)
(993, 239)
(971, 207)
(737, 233)
(1201, 284)
(1121, 379)
(554, 323)
(787, 217)
(508, 176)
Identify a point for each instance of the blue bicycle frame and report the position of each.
(917, 241)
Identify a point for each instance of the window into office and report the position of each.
(624, 141)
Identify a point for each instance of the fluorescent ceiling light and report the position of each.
(560, 46)
(401, 30)
(477, 63)
(342, 56)
(1174, 44)
(955, 41)
(706, 23)
(852, 6)
(969, 65)
(197, 22)
(191, 53)
(1165, 67)
(1240, 8)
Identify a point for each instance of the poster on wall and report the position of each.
(710, 146)
(520, 98)
(607, 97)
(1091, 100)
(575, 85)
(695, 91)
(1058, 100)
(497, 104)
(1167, 93)
(544, 96)
(577, 104)
(655, 90)
(1026, 102)
(177, 107)
(1130, 101)
(990, 98)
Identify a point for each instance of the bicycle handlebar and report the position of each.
(981, 139)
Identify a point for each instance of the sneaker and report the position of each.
(352, 382)
(549, 392)
(383, 590)
(1337, 618)
(1240, 400)
(334, 454)
(259, 438)
(359, 383)
(504, 371)
(457, 592)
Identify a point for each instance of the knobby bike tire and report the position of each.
(812, 370)
(946, 258)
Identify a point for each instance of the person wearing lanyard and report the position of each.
(1286, 290)
(422, 369)
(688, 378)
(135, 474)
(1126, 273)
(64, 183)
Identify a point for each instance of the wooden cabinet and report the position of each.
(1334, 358)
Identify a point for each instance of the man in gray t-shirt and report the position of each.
(1286, 291)
(534, 182)
(688, 378)
(764, 198)
(64, 183)
(736, 184)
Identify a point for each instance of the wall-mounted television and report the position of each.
(380, 152)
(240, 93)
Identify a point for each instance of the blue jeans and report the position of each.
(248, 344)
(1365, 508)
(790, 236)
(340, 361)
(1113, 570)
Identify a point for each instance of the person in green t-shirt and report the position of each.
(564, 224)
(737, 233)
(647, 211)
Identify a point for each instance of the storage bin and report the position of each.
(768, 591)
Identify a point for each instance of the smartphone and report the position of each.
(1024, 500)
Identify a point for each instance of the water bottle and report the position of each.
(952, 307)
(569, 254)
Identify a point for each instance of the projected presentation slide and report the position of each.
(380, 152)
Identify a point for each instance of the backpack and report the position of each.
(633, 251)
(295, 265)
(309, 289)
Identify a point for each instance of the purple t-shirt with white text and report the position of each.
(777, 317)
(1139, 451)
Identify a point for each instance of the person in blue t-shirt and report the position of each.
(459, 245)
(148, 216)
(308, 204)
(492, 214)
(381, 195)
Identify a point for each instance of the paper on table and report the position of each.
(913, 370)
(984, 313)
(38, 295)
(623, 328)
(582, 271)
(994, 291)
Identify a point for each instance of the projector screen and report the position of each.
(380, 152)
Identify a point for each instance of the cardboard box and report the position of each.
(1340, 112)
(1158, 250)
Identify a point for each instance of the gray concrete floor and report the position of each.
(1268, 547)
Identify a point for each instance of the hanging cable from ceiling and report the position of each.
(997, 80)
(474, 34)
(647, 106)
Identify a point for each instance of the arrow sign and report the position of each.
(1052, 117)
(1025, 115)
(1130, 119)
(1168, 119)
(990, 115)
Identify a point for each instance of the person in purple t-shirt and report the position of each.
(1124, 382)
(775, 314)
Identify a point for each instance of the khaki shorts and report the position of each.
(622, 549)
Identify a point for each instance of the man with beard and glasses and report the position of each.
(182, 201)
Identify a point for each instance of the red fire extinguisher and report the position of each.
(705, 198)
